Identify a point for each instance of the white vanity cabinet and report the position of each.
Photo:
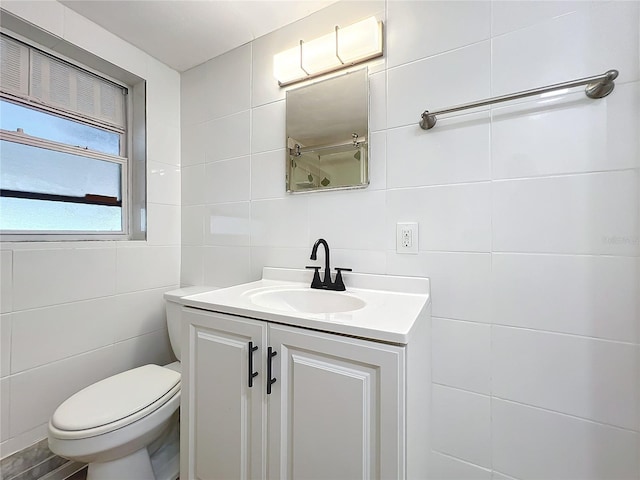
(334, 414)
(284, 382)
(223, 425)
(335, 411)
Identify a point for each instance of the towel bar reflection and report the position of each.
(598, 86)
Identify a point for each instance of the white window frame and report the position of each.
(124, 159)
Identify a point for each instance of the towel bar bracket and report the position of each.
(601, 88)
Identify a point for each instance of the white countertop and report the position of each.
(393, 304)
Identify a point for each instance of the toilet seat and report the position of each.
(115, 402)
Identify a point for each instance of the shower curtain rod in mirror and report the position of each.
(598, 86)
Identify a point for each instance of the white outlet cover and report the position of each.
(412, 228)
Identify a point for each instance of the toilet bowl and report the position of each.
(126, 426)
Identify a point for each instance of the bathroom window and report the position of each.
(64, 164)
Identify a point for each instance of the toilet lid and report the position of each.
(127, 394)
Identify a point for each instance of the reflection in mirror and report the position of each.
(328, 135)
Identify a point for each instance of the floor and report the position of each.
(79, 475)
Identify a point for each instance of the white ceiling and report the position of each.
(186, 33)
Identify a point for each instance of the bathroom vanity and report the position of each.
(281, 381)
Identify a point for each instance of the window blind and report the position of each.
(44, 79)
(14, 66)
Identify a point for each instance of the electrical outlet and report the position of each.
(407, 237)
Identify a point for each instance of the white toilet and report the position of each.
(126, 426)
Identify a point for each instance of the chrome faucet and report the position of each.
(326, 283)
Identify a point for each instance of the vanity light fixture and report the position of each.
(342, 48)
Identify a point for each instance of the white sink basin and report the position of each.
(306, 300)
(377, 307)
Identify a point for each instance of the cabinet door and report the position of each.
(225, 425)
(337, 408)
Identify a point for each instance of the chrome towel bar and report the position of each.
(597, 87)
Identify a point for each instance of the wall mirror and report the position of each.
(328, 134)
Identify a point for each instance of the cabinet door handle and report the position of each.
(270, 381)
(252, 374)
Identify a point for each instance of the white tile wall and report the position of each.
(589, 145)
(76, 312)
(193, 110)
(163, 95)
(226, 266)
(228, 224)
(163, 183)
(227, 137)
(528, 215)
(602, 280)
(138, 313)
(585, 43)
(5, 411)
(461, 354)
(574, 375)
(278, 257)
(437, 158)
(568, 446)
(378, 161)
(6, 280)
(366, 261)
(193, 139)
(454, 217)
(500, 476)
(192, 265)
(430, 28)
(60, 331)
(461, 424)
(141, 350)
(349, 219)
(508, 15)
(193, 225)
(453, 276)
(537, 215)
(228, 180)
(280, 222)
(377, 101)
(229, 82)
(36, 393)
(194, 185)
(444, 467)
(163, 224)
(5, 343)
(53, 276)
(146, 267)
(161, 144)
(268, 127)
(268, 174)
(463, 75)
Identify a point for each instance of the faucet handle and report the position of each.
(339, 284)
(316, 282)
